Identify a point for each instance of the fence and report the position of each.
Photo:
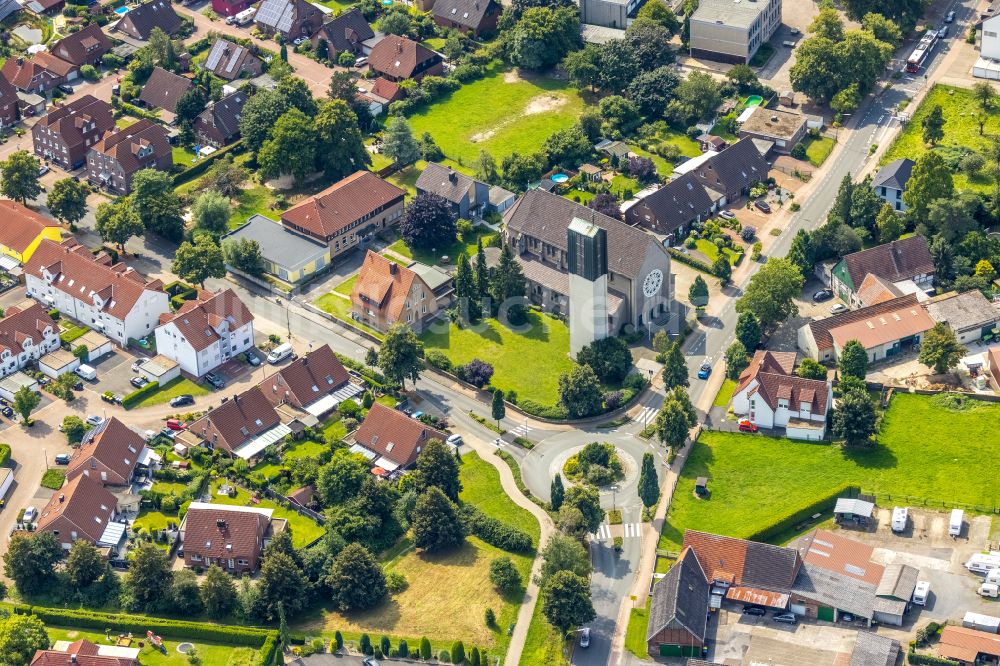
(909, 500)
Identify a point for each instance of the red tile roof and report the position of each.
(349, 200)
(395, 435)
(124, 144)
(766, 361)
(86, 655)
(201, 319)
(383, 285)
(398, 56)
(307, 379)
(21, 225)
(19, 325)
(233, 423)
(87, 505)
(895, 261)
(20, 72)
(966, 644)
(773, 372)
(219, 530)
(841, 555)
(70, 120)
(115, 446)
(80, 47)
(821, 327)
(744, 563)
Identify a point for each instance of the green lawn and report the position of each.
(466, 245)
(209, 654)
(151, 521)
(960, 130)
(711, 250)
(304, 530)
(53, 478)
(305, 449)
(753, 481)
(337, 6)
(635, 634)
(334, 428)
(818, 149)
(501, 114)
(347, 286)
(183, 157)
(434, 43)
(252, 201)
(725, 393)
(172, 389)
(530, 362)
(542, 645)
(340, 307)
(480, 484)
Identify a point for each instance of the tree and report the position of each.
(117, 221)
(564, 553)
(675, 418)
(190, 105)
(543, 36)
(398, 142)
(498, 409)
(846, 100)
(827, 24)
(428, 222)
(855, 420)
(939, 349)
(211, 211)
(698, 293)
(84, 564)
(162, 49)
(25, 401)
(298, 95)
(474, 658)
(505, 576)
(437, 467)
(888, 224)
(356, 579)
(482, 270)
(225, 177)
(340, 479)
(580, 392)
(291, 148)
(508, 287)
(371, 358)
(660, 13)
(933, 125)
(156, 203)
(696, 98)
(280, 587)
(721, 268)
(770, 293)
(435, 522)
(395, 23)
(985, 270)
(929, 181)
(853, 360)
(675, 369)
(67, 200)
(465, 290)
(882, 28)
(218, 592)
(259, 116)
(984, 95)
(146, 586)
(737, 360)
(74, 427)
(610, 358)
(649, 485)
(556, 492)
(20, 637)
(586, 500)
(31, 559)
(184, 593)
(651, 90)
(865, 205)
(20, 177)
(244, 254)
(748, 330)
(566, 601)
(399, 356)
(199, 261)
(584, 66)
(811, 369)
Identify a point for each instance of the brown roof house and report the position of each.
(673, 208)
(45, 6)
(242, 427)
(24, 229)
(164, 89)
(289, 18)
(733, 172)
(113, 455)
(40, 73)
(315, 383)
(468, 197)
(84, 653)
(206, 332)
(475, 17)
(65, 134)
(770, 395)
(398, 58)
(9, 103)
(678, 611)
(231, 61)
(344, 213)
(230, 537)
(391, 439)
(27, 333)
(969, 646)
(782, 128)
(901, 261)
(344, 33)
(386, 293)
(84, 47)
(115, 159)
(219, 124)
(82, 509)
(139, 22)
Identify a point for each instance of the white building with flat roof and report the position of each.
(732, 30)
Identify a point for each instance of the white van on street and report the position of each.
(280, 353)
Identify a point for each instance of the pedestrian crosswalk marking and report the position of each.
(603, 532)
(521, 430)
(645, 415)
(630, 531)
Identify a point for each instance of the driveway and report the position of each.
(114, 371)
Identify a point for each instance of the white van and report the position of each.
(86, 372)
(982, 563)
(920, 592)
(955, 523)
(993, 576)
(280, 353)
(900, 516)
(991, 590)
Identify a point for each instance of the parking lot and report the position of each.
(786, 337)
(114, 371)
(733, 635)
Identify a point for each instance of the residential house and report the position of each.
(27, 333)
(82, 509)
(678, 611)
(219, 124)
(732, 32)
(398, 58)
(65, 134)
(230, 537)
(230, 7)
(379, 94)
(969, 314)
(83, 47)
(672, 209)
(315, 383)
(770, 395)
(874, 650)
(875, 290)
(163, 89)
(902, 261)
(890, 182)
(345, 214)
(968, 646)
(138, 22)
(9, 103)
(884, 330)
(22, 231)
(467, 196)
(242, 427)
(386, 293)
(391, 439)
(289, 18)
(640, 285)
(45, 7)
(472, 17)
(206, 332)
(987, 66)
(615, 14)
(8, 8)
(112, 455)
(344, 33)
(230, 61)
(733, 172)
(38, 74)
(84, 653)
(782, 128)
(115, 159)
(111, 298)
(288, 256)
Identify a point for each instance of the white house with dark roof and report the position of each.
(468, 197)
(890, 182)
(27, 333)
(206, 332)
(969, 314)
(771, 396)
(906, 264)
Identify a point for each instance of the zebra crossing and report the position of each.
(521, 430)
(645, 415)
(630, 530)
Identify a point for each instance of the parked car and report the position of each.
(215, 380)
(727, 215)
(705, 370)
(370, 661)
(754, 609)
(585, 637)
(95, 420)
(181, 400)
(762, 206)
(7, 411)
(253, 359)
(138, 382)
(68, 89)
(838, 308)
(175, 424)
(44, 381)
(454, 440)
(846, 617)
(168, 432)
(822, 295)
(84, 371)
(298, 40)
(943, 32)
(30, 514)
(786, 618)
(949, 17)
(747, 426)
(42, 170)
(361, 62)
(62, 458)
(136, 364)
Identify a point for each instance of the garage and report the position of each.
(160, 369)
(11, 384)
(58, 363)
(97, 345)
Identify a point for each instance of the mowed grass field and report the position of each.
(960, 129)
(925, 450)
(209, 654)
(502, 113)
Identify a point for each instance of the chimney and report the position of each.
(399, 47)
(62, 498)
(221, 523)
(305, 359)
(20, 61)
(72, 658)
(452, 176)
(236, 397)
(392, 268)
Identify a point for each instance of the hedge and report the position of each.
(553, 412)
(73, 334)
(690, 261)
(825, 503)
(4, 453)
(496, 533)
(929, 660)
(137, 395)
(202, 165)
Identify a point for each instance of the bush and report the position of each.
(496, 533)
(748, 233)
(137, 395)
(395, 582)
(4, 453)
(799, 151)
(825, 503)
(437, 359)
(504, 575)
(444, 657)
(458, 652)
(365, 644)
(489, 617)
(929, 660)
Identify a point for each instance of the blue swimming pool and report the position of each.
(121, 11)
(559, 178)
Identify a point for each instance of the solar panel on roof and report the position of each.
(212, 61)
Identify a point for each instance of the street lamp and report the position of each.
(614, 496)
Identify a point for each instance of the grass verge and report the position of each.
(635, 634)
(53, 479)
(170, 390)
